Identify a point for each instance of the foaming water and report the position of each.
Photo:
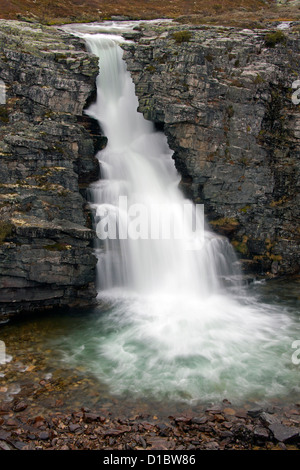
(180, 325)
(137, 165)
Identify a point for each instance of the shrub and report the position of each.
(271, 39)
(182, 36)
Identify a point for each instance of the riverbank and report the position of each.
(215, 428)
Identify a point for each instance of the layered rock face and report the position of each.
(47, 160)
(224, 99)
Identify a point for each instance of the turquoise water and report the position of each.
(99, 357)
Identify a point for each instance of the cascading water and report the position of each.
(177, 323)
(137, 165)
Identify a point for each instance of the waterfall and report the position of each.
(173, 322)
(167, 255)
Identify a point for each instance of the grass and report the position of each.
(223, 12)
(245, 15)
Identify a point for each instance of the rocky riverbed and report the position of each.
(220, 427)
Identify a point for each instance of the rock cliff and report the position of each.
(224, 99)
(47, 160)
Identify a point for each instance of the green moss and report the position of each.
(182, 36)
(258, 79)
(271, 39)
(224, 221)
(245, 209)
(275, 257)
(150, 68)
(241, 246)
(57, 247)
(279, 202)
(4, 114)
(5, 230)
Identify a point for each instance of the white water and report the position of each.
(137, 164)
(179, 326)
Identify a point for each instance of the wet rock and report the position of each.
(229, 411)
(255, 412)
(260, 433)
(142, 441)
(214, 409)
(11, 422)
(158, 443)
(199, 420)
(20, 406)
(19, 445)
(284, 433)
(5, 446)
(267, 419)
(74, 427)
(116, 431)
(4, 435)
(91, 417)
(182, 419)
(213, 445)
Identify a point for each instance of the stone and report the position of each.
(261, 433)
(199, 420)
(20, 406)
(5, 446)
(90, 417)
(74, 427)
(284, 433)
(255, 412)
(268, 419)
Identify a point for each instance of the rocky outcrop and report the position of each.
(224, 99)
(47, 160)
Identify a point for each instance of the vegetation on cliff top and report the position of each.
(199, 11)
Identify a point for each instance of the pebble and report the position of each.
(74, 427)
(261, 433)
(20, 406)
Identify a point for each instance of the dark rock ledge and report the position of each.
(47, 160)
